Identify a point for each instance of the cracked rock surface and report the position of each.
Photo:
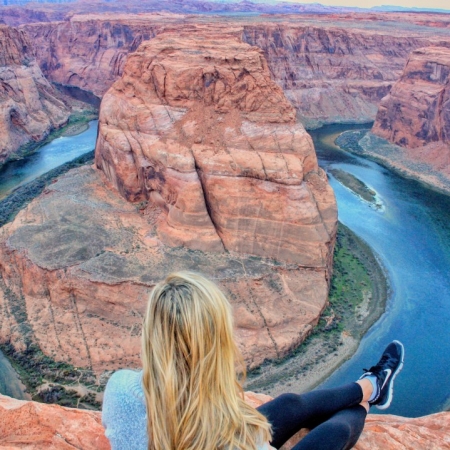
(198, 129)
(203, 167)
(79, 262)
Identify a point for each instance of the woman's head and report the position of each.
(188, 329)
(189, 369)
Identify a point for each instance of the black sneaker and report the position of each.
(387, 368)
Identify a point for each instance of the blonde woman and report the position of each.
(187, 396)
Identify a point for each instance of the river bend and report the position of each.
(411, 236)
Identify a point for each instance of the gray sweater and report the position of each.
(124, 413)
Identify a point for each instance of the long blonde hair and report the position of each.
(194, 400)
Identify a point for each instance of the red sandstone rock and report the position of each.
(30, 106)
(204, 140)
(416, 113)
(330, 73)
(79, 263)
(401, 433)
(36, 426)
(197, 127)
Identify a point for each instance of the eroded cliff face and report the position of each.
(223, 180)
(36, 426)
(206, 136)
(331, 74)
(79, 262)
(416, 113)
(30, 106)
(334, 70)
(89, 52)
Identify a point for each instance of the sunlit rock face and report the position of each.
(36, 426)
(203, 167)
(333, 68)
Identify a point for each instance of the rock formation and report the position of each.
(223, 181)
(332, 68)
(208, 138)
(416, 113)
(36, 426)
(30, 106)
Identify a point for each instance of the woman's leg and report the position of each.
(288, 413)
(340, 432)
(335, 416)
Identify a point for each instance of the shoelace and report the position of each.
(376, 369)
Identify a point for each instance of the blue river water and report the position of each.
(57, 152)
(411, 236)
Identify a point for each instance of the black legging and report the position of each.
(334, 416)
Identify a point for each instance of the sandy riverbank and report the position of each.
(75, 129)
(326, 349)
(409, 163)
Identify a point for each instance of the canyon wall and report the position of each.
(332, 69)
(36, 426)
(416, 113)
(30, 106)
(331, 74)
(215, 175)
(89, 52)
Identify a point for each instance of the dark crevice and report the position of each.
(205, 198)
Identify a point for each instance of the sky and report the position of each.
(439, 4)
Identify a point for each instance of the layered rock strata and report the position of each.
(79, 262)
(88, 52)
(30, 106)
(215, 176)
(197, 128)
(36, 426)
(332, 70)
(416, 113)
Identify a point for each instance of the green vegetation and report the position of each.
(37, 369)
(352, 282)
(357, 277)
(349, 140)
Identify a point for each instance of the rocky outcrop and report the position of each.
(206, 136)
(331, 68)
(30, 106)
(81, 299)
(223, 180)
(331, 74)
(416, 113)
(36, 426)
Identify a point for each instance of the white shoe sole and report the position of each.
(391, 382)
